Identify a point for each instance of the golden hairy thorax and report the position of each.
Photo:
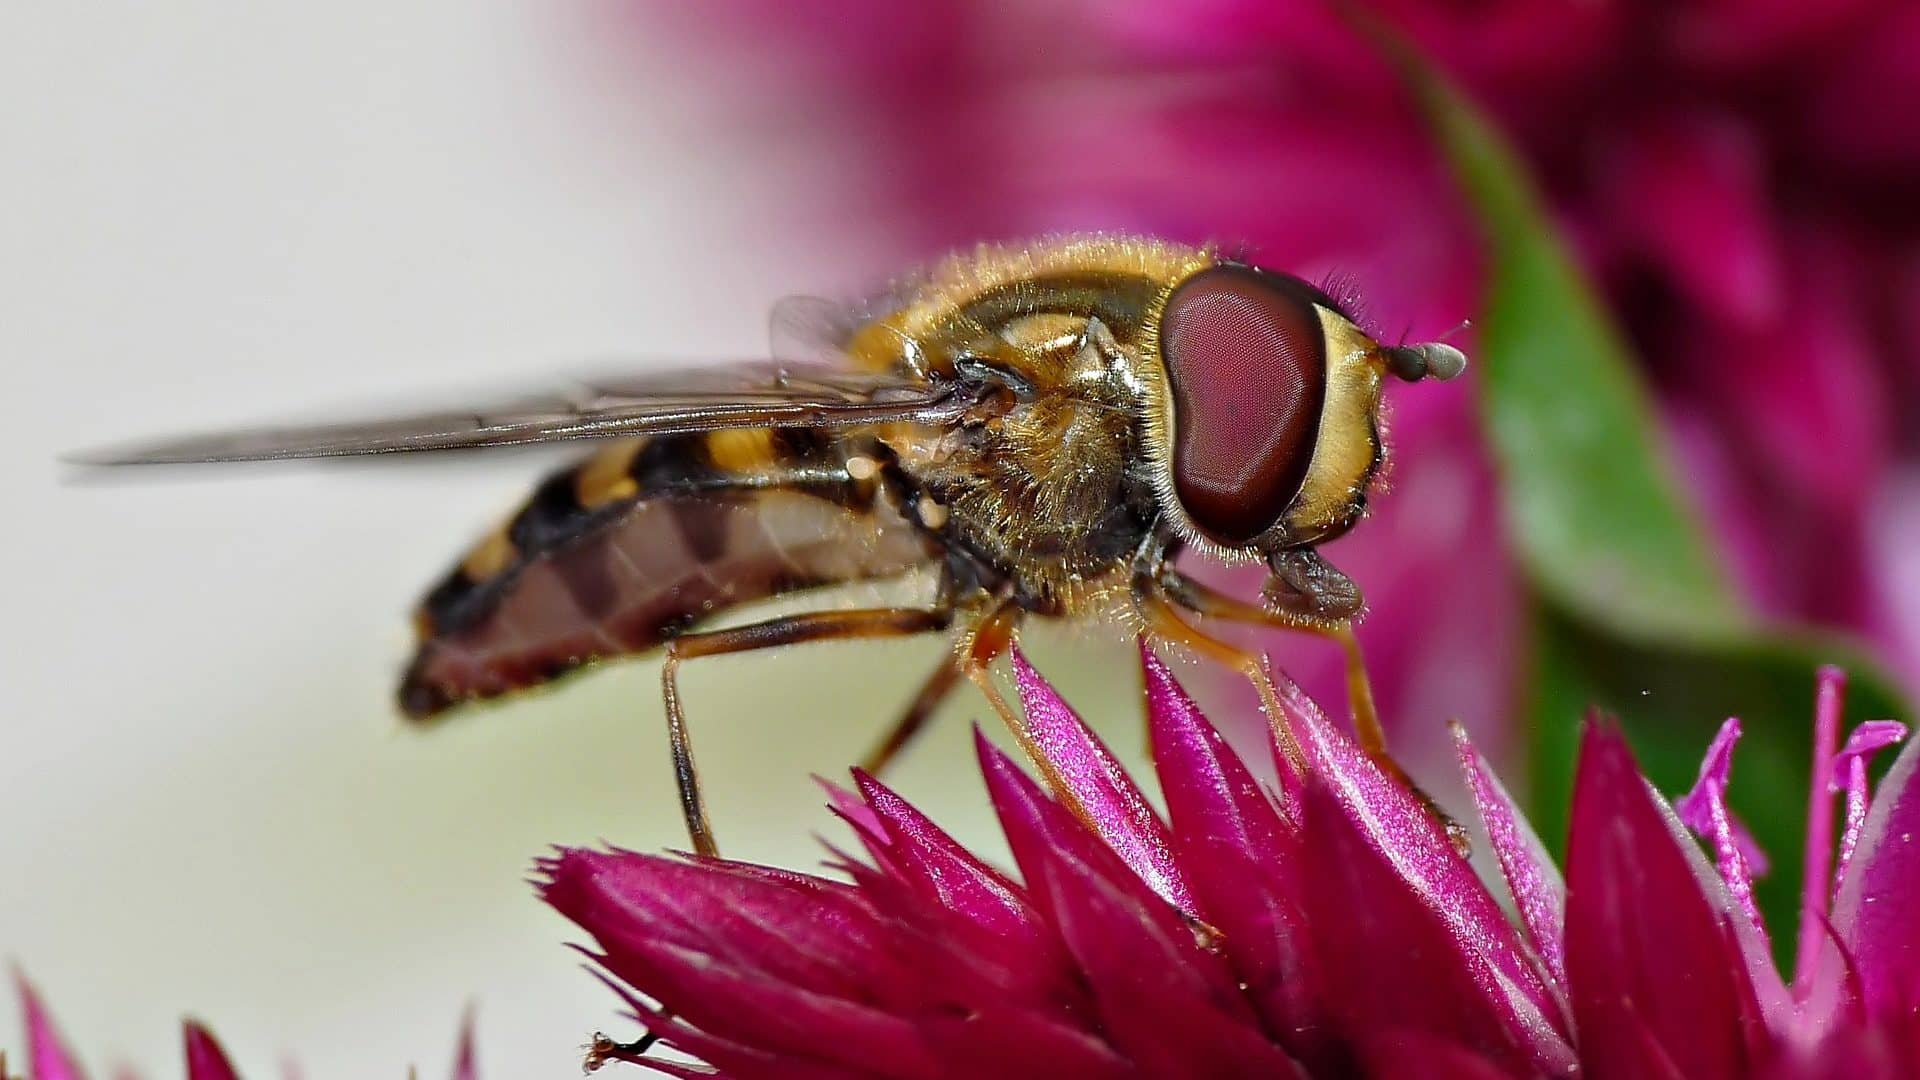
(1050, 491)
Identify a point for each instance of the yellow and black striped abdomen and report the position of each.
(617, 554)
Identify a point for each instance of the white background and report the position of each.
(218, 212)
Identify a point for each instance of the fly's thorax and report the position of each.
(1045, 488)
(1045, 491)
(971, 302)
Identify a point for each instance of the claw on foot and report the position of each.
(603, 1050)
(1457, 834)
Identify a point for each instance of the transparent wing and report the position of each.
(730, 396)
(810, 329)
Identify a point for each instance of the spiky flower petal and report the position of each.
(1320, 924)
(49, 1059)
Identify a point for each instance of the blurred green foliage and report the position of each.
(1632, 613)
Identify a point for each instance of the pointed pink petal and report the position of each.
(881, 952)
(1369, 918)
(1649, 961)
(1538, 890)
(1704, 810)
(1041, 831)
(1417, 1053)
(1764, 992)
(946, 892)
(205, 1059)
(814, 933)
(1243, 860)
(47, 1054)
(1396, 825)
(1850, 775)
(1814, 968)
(465, 1064)
(1003, 1043)
(951, 875)
(1161, 999)
(849, 806)
(1158, 990)
(1878, 905)
(732, 1001)
(1086, 773)
(726, 1057)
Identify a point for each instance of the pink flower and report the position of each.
(1314, 920)
(1736, 175)
(49, 1059)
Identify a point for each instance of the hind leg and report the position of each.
(973, 654)
(938, 686)
(772, 633)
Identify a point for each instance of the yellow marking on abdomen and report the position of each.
(741, 450)
(607, 477)
(490, 557)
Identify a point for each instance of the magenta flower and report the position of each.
(1733, 174)
(1313, 920)
(49, 1059)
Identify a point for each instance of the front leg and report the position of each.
(1309, 596)
(1306, 586)
(1167, 588)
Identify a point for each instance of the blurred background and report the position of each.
(219, 214)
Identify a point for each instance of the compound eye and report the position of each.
(1246, 361)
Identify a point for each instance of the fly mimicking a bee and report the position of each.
(1044, 426)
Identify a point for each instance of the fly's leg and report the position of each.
(972, 654)
(1167, 622)
(939, 685)
(982, 644)
(1212, 604)
(1207, 602)
(1306, 593)
(772, 633)
(603, 1050)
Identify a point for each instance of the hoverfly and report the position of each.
(1045, 426)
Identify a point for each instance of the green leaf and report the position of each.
(1672, 697)
(1634, 612)
(1589, 493)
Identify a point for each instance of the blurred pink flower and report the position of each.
(1319, 925)
(1737, 175)
(49, 1059)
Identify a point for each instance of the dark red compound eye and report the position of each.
(1246, 359)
